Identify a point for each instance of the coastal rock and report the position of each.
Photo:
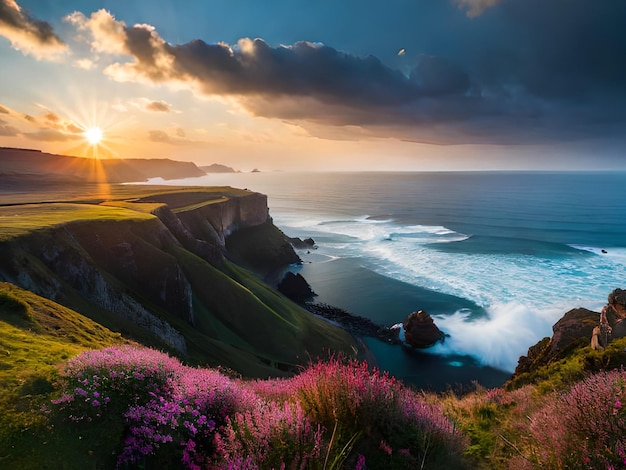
(295, 287)
(354, 323)
(297, 242)
(617, 303)
(420, 330)
(572, 330)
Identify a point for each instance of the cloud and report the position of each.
(179, 139)
(48, 125)
(29, 35)
(539, 80)
(158, 106)
(50, 135)
(85, 63)
(159, 136)
(53, 121)
(7, 130)
(475, 8)
(107, 34)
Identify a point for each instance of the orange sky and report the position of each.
(192, 85)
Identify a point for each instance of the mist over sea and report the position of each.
(495, 257)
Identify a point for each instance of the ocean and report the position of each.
(496, 258)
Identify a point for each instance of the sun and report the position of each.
(93, 135)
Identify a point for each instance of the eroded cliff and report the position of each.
(159, 272)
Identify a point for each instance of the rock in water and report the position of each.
(295, 287)
(420, 330)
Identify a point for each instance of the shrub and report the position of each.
(332, 414)
(115, 379)
(271, 436)
(185, 422)
(394, 426)
(585, 426)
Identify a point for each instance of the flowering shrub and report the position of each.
(271, 436)
(584, 427)
(396, 427)
(116, 378)
(165, 404)
(331, 416)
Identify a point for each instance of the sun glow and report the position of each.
(93, 135)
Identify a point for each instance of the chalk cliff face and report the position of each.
(169, 275)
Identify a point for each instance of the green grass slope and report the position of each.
(37, 335)
(89, 256)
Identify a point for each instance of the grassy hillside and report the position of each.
(117, 263)
(36, 337)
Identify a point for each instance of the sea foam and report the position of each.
(523, 295)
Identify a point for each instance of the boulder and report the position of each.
(617, 303)
(575, 328)
(296, 287)
(301, 244)
(420, 330)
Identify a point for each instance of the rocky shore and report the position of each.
(353, 323)
(418, 331)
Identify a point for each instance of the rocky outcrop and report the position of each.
(296, 287)
(578, 328)
(617, 303)
(420, 330)
(353, 323)
(572, 331)
(301, 244)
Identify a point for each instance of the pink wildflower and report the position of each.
(386, 448)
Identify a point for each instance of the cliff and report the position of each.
(156, 267)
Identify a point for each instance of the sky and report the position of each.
(319, 85)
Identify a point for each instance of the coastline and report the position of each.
(353, 292)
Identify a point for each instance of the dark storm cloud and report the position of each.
(28, 34)
(561, 50)
(553, 71)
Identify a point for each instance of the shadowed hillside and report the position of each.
(18, 166)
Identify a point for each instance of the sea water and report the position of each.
(496, 258)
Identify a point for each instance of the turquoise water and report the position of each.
(496, 258)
